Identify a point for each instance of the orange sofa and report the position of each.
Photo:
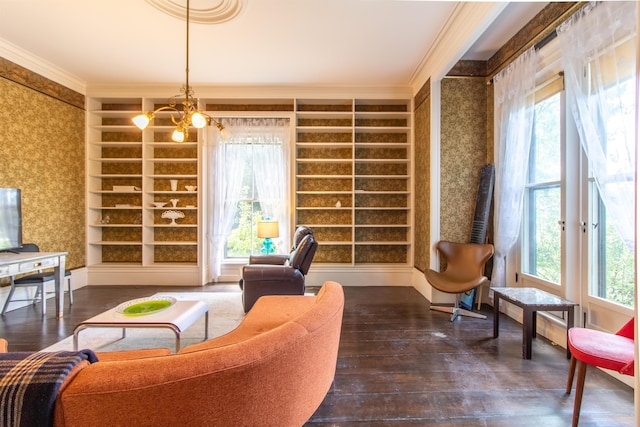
(274, 369)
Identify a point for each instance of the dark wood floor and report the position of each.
(401, 364)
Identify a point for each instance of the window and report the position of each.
(574, 242)
(611, 260)
(542, 226)
(242, 241)
(608, 261)
(249, 181)
(612, 274)
(558, 217)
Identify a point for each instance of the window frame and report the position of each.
(545, 91)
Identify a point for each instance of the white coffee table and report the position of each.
(178, 318)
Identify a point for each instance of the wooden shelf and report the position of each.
(116, 146)
(378, 135)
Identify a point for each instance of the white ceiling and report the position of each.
(270, 42)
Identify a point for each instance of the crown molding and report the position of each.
(250, 91)
(19, 56)
(467, 22)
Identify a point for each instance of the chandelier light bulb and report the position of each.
(141, 121)
(224, 133)
(178, 135)
(198, 120)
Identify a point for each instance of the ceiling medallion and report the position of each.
(204, 12)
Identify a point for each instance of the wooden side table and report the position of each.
(531, 300)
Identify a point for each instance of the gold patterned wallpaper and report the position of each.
(463, 152)
(42, 152)
(27, 78)
(422, 219)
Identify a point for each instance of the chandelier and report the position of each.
(186, 116)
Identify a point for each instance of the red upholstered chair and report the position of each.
(600, 349)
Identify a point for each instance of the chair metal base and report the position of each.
(456, 311)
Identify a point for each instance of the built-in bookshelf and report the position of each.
(352, 186)
(129, 173)
(353, 180)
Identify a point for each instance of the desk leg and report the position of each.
(534, 325)
(496, 314)
(59, 286)
(206, 325)
(527, 329)
(76, 332)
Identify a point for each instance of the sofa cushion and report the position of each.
(268, 312)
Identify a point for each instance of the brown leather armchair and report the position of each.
(464, 271)
(281, 259)
(275, 279)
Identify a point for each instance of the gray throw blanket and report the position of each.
(29, 384)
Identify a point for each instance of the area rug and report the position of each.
(225, 313)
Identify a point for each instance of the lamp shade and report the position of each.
(198, 120)
(268, 229)
(177, 135)
(142, 120)
(224, 133)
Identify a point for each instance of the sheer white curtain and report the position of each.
(598, 56)
(226, 170)
(258, 143)
(271, 169)
(514, 106)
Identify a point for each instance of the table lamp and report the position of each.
(267, 229)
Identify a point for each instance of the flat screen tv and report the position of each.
(10, 219)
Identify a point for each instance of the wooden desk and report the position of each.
(531, 300)
(12, 264)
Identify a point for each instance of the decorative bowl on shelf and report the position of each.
(191, 187)
(173, 215)
(159, 204)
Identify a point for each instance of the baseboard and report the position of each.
(361, 275)
(348, 275)
(161, 275)
(433, 295)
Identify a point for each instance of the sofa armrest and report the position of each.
(274, 259)
(111, 356)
